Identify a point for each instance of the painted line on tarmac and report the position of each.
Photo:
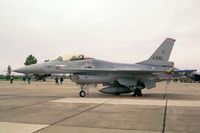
(185, 103)
(137, 102)
(82, 100)
(10, 127)
(111, 101)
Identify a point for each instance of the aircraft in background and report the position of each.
(195, 76)
(118, 77)
(176, 75)
(188, 76)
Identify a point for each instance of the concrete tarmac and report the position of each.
(43, 107)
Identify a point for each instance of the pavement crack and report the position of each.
(164, 118)
(74, 115)
(165, 96)
(165, 111)
(27, 105)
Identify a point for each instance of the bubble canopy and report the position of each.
(71, 57)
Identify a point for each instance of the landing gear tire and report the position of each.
(82, 93)
(117, 94)
(134, 94)
(137, 92)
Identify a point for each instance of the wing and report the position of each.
(85, 70)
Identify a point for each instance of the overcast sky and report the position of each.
(126, 31)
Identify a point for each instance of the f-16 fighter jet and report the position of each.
(116, 77)
(195, 76)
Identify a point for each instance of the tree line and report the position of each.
(29, 61)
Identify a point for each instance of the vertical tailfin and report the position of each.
(161, 55)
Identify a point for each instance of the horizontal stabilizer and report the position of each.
(185, 70)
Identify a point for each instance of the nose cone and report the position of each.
(35, 69)
(20, 70)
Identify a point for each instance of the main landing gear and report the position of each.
(138, 88)
(137, 92)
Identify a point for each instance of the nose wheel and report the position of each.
(85, 89)
(82, 93)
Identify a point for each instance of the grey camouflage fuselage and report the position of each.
(86, 71)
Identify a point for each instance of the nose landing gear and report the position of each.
(82, 93)
(85, 89)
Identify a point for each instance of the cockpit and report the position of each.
(71, 57)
